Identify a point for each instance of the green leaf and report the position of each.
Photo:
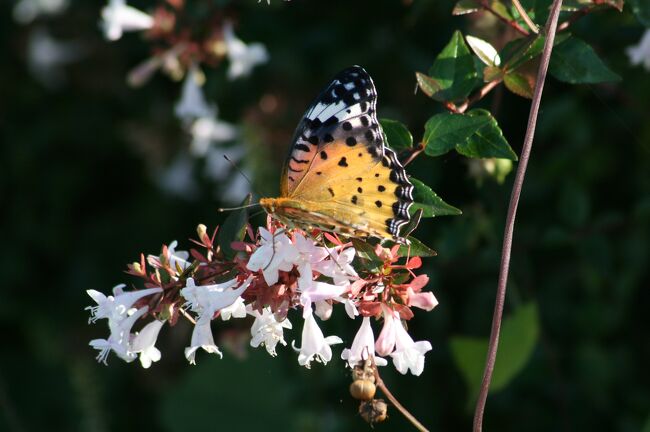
(427, 84)
(488, 141)
(519, 84)
(397, 135)
(443, 132)
(519, 336)
(454, 71)
(233, 229)
(519, 51)
(464, 7)
(415, 248)
(641, 9)
(431, 204)
(575, 62)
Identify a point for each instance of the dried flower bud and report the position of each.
(362, 389)
(202, 231)
(136, 267)
(374, 411)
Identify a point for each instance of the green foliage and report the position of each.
(415, 248)
(397, 135)
(430, 203)
(233, 229)
(519, 336)
(575, 62)
(453, 74)
(519, 84)
(475, 134)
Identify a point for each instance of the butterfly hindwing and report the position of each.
(338, 168)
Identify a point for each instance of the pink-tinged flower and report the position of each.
(386, 340)
(323, 309)
(319, 291)
(118, 17)
(339, 266)
(177, 259)
(422, 300)
(243, 58)
(267, 331)
(308, 255)
(117, 306)
(363, 345)
(201, 338)
(205, 300)
(315, 346)
(119, 340)
(276, 252)
(145, 341)
(408, 354)
(640, 53)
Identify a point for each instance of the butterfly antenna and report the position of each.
(239, 170)
(225, 209)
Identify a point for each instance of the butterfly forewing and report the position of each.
(338, 167)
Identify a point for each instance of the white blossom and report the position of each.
(209, 129)
(205, 300)
(235, 310)
(319, 291)
(120, 338)
(339, 266)
(47, 57)
(267, 331)
(192, 104)
(26, 11)
(177, 259)
(118, 306)
(315, 346)
(242, 57)
(363, 345)
(640, 53)
(145, 341)
(408, 354)
(275, 253)
(201, 338)
(308, 255)
(118, 17)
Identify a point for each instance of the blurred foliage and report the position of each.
(80, 199)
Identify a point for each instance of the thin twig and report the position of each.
(487, 88)
(551, 28)
(380, 383)
(529, 22)
(514, 24)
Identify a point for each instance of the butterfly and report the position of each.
(339, 175)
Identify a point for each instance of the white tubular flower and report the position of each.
(201, 338)
(315, 346)
(119, 340)
(117, 306)
(25, 11)
(276, 252)
(192, 104)
(205, 300)
(323, 309)
(145, 341)
(319, 291)
(243, 58)
(408, 354)
(339, 267)
(235, 310)
(308, 255)
(363, 345)
(640, 53)
(267, 331)
(177, 259)
(208, 129)
(118, 17)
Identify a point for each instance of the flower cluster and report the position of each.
(262, 278)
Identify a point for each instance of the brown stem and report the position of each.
(551, 29)
(526, 18)
(380, 383)
(487, 88)
(575, 16)
(514, 24)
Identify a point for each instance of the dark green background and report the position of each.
(78, 202)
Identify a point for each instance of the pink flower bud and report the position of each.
(422, 300)
(386, 341)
